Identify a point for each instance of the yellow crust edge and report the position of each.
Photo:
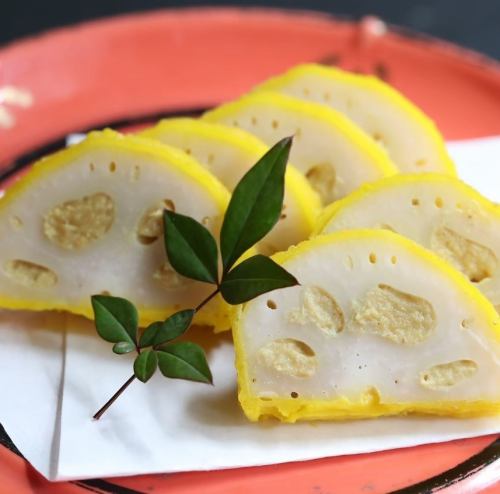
(337, 123)
(375, 85)
(330, 212)
(307, 200)
(172, 158)
(291, 410)
(217, 315)
(210, 130)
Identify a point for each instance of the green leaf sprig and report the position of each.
(255, 207)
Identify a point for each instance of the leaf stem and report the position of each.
(103, 409)
(204, 302)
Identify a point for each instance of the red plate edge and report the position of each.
(86, 64)
(68, 70)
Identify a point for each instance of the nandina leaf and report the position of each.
(184, 360)
(116, 318)
(253, 277)
(123, 347)
(163, 331)
(191, 248)
(256, 204)
(145, 365)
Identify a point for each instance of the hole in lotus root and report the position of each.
(112, 167)
(290, 357)
(135, 174)
(271, 304)
(370, 396)
(207, 222)
(476, 261)
(75, 224)
(398, 316)
(29, 274)
(169, 278)
(446, 375)
(151, 223)
(16, 222)
(320, 308)
(283, 214)
(322, 178)
(384, 226)
(466, 323)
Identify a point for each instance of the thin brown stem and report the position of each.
(210, 297)
(125, 385)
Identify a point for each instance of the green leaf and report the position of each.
(123, 347)
(254, 276)
(255, 205)
(191, 248)
(116, 318)
(145, 365)
(184, 360)
(161, 332)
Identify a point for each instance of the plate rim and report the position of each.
(466, 55)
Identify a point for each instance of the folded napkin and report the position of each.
(56, 373)
(31, 380)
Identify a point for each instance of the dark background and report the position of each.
(475, 24)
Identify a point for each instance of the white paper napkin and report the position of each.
(31, 372)
(478, 164)
(171, 426)
(179, 426)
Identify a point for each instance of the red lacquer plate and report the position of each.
(132, 69)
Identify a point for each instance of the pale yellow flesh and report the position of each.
(443, 358)
(334, 154)
(439, 212)
(134, 175)
(410, 137)
(229, 153)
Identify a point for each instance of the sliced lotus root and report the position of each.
(229, 153)
(378, 326)
(437, 211)
(391, 120)
(333, 153)
(88, 220)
